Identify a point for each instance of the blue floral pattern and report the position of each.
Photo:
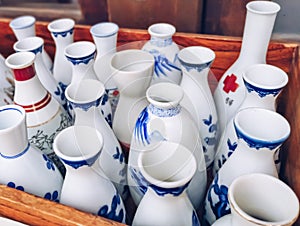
(105, 101)
(231, 148)
(112, 213)
(168, 191)
(52, 196)
(119, 155)
(13, 185)
(260, 91)
(81, 60)
(220, 207)
(141, 133)
(140, 130)
(60, 92)
(161, 42)
(49, 163)
(162, 64)
(63, 34)
(257, 144)
(210, 140)
(139, 180)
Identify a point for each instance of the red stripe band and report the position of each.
(24, 73)
(37, 106)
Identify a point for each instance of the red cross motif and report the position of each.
(230, 83)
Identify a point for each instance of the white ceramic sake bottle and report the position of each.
(44, 115)
(164, 119)
(105, 36)
(260, 132)
(258, 200)
(198, 100)
(132, 72)
(36, 45)
(164, 50)
(24, 27)
(86, 98)
(230, 92)
(22, 165)
(263, 83)
(84, 187)
(167, 175)
(62, 33)
(81, 56)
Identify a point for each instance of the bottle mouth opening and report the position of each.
(263, 7)
(164, 95)
(174, 168)
(132, 60)
(162, 30)
(266, 128)
(28, 44)
(61, 25)
(11, 116)
(22, 22)
(265, 76)
(87, 91)
(20, 60)
(104, 29)
(80, 49)
(196, 55)
(259, 198)
(77, 143)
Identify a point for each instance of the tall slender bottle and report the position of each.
(230, 91)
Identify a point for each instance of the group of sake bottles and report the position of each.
(144, 119)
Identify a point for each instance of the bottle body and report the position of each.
(230, 91)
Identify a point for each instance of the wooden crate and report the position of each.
(186, 16)
(32, 210)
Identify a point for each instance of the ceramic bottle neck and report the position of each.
(256, 37)
(24, 74)
(87, 113)
(63, 38)
(164, 111)
(253, 99)
(161, 42)
(106, 46)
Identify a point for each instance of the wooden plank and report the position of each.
(185, 15)
(224, 17)
(29, 209)
(281, 54)
(93, 11)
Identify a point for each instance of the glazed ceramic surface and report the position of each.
(36, 45)
(86, 99)
(164, 50)
(62, 33)
(23, 166)
(81, 55)
(132, 72)
(198, 100)
(24, 27)
(263, 84)
(165, 120)
(258, 139)
(259, 199)
(166, 175)
(258, 28)
(84, 187)
(105, 37)
(44, 116)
